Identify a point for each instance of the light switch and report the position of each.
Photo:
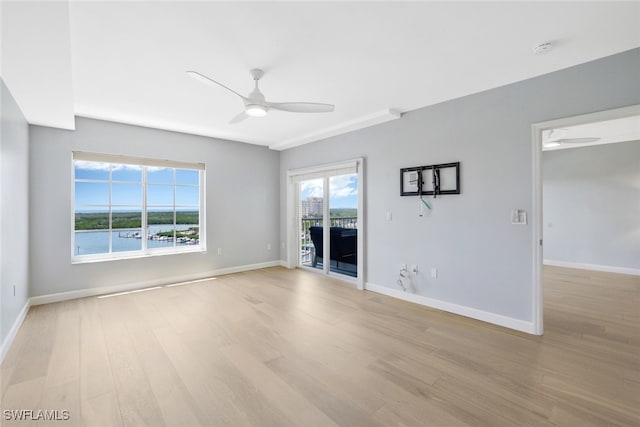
(518, 217)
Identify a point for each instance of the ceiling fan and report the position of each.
(255, 104)
(556, 137)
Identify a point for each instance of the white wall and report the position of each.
(484, 262)
(591, 202)
(242, 212)
(14, 213)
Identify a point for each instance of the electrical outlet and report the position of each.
(219, 251)
(434, 272)
(282, 245)
(268, 246)
(389, 216)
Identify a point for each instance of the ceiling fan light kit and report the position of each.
(256, 105)
(255, 110)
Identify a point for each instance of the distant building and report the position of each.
(311, 206)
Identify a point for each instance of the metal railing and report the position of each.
(306, 245)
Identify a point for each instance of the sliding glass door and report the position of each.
(327, 212)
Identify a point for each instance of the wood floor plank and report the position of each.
(222, 392)
(137, 403)
(320, 388)
(177, 406)
(64, 361)
(98, 395)
(278, 347)
(298, 410)
(60, 397)
(33, 358)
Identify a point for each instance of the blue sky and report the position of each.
(126, 188)
(343, 190)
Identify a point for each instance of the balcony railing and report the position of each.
(306, 245)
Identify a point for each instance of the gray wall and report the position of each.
(14, 211)
(592, 205)
(242, 184)
(484, 262)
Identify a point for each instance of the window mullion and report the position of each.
(110, 230)
(201, 209)
(175, 219)
(144, 213)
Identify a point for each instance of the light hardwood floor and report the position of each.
(277, 347)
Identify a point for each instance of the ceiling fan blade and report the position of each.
(206, 80)
(239, 118)
(301, 107)
(576, 140)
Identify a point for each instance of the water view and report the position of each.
(112, 199)
(160, 236)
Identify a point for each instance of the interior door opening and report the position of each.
(560, 134)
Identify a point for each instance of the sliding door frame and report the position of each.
(293, 220)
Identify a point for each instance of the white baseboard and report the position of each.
(594, 267)
(90, 292)
(6, 344)
(485, 316)
(283, 263)
(241, 268)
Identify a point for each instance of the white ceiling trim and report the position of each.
(347, 126)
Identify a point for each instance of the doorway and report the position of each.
(325, 210)
(550, 133)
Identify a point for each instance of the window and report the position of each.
(127, 207)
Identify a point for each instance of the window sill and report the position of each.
(88, 259)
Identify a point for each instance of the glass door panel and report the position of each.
(343, 219)
(310, 213)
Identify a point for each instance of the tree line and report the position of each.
(100, 220)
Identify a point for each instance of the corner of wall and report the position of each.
(470, 312)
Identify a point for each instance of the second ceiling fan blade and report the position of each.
(206, 80)
(301, 107)
(575, 140)
(239, 118)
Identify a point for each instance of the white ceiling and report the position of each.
(128, 60)
(36, 61)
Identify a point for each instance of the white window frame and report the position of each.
(145, 251)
